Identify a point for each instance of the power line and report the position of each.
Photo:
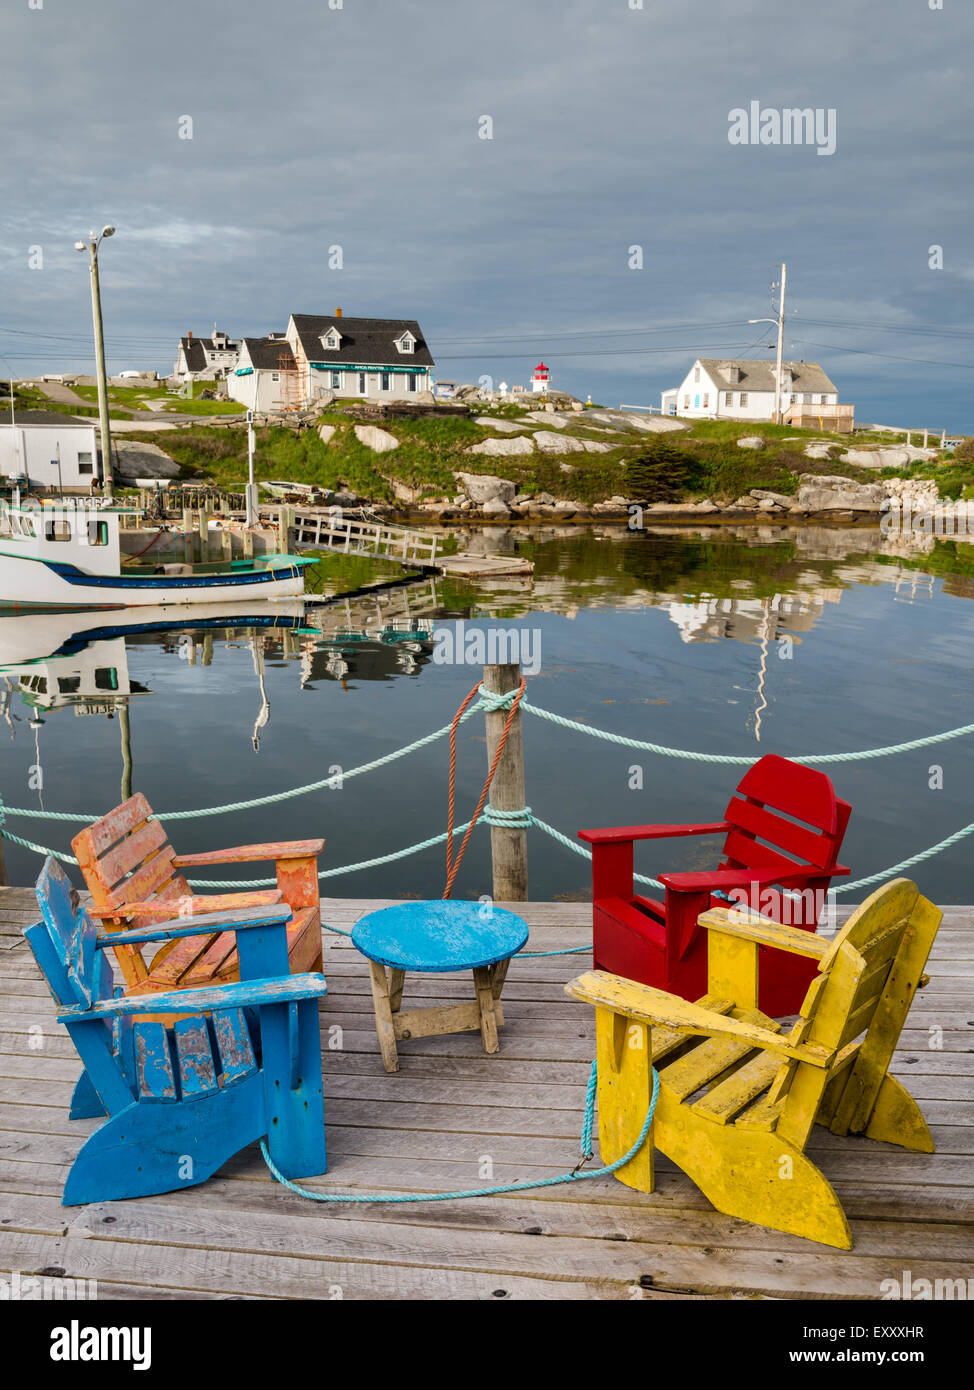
(864, 352)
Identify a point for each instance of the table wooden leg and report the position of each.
(485, 1001)
(397, 979)
(385, 1030)
(498, 974)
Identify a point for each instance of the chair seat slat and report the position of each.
(234, 1045)
(153, 1062)
(197, 1073)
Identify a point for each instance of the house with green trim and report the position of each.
(377, 359)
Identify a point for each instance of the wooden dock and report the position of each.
(453, 1118)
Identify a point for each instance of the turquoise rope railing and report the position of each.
(489, 701)
(521, 818)
(576, 1174)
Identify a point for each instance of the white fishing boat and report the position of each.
(61, 556)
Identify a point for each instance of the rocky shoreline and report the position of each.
(821, 499)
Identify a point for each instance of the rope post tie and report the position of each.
(505, 748)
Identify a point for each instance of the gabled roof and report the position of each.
(267, 353)
(759, 375)
(196, 349)
(365, 341)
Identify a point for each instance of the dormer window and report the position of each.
(406, 343)
(332, 340)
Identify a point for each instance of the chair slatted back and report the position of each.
(63, 942)
(70, 935)
(772, 797)
(126, 857)
(858, 1005)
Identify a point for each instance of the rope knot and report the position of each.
(491, 701)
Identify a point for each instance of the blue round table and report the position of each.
(434, 938)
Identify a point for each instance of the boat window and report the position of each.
(106, 678)
(69, 685)
(57, 530)
(97, 532)
(36, 683)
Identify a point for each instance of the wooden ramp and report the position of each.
(453, 1118)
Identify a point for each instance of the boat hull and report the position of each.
(39, 585)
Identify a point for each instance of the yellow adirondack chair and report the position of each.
(738, 1094)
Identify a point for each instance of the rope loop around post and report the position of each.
(510, 820)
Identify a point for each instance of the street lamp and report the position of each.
(91, 246)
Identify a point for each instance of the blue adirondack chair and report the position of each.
(240, 1062)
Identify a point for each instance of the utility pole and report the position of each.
(106, 435)
(251, 492)
(781, 334)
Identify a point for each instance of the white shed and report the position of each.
(51, 451)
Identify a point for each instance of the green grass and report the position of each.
(134, 397)
(30, 398)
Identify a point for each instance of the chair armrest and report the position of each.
(751, 926)
(252, 854)
(624, 833)
(650, 1005)
(206, 922)
(730, 878)
(288, 989)
(187, 906)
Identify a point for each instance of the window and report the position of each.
(412, 382)
(57, 530)
(686, 402)
(69, 685)
(706, 402)
(696, 374)
(361, 383)
(385, 381)
(336, 380)
(794, 400)
(106, 678)
(97, 532)
(406, 343)
(728, 398)
(807, 398)
(824, 400)
(743, 398)
(85, 464)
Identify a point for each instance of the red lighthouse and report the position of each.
(540, 380)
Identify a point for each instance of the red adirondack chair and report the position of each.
(765, 850)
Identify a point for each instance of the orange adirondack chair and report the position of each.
(136, 881)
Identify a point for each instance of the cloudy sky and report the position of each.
(360, 124)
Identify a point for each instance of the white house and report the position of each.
(205, 359)
(264, 372)
(741, 389)
(49, 450)
(378, 359)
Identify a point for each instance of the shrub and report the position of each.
(661, 472)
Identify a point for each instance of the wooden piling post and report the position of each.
(508, 845)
